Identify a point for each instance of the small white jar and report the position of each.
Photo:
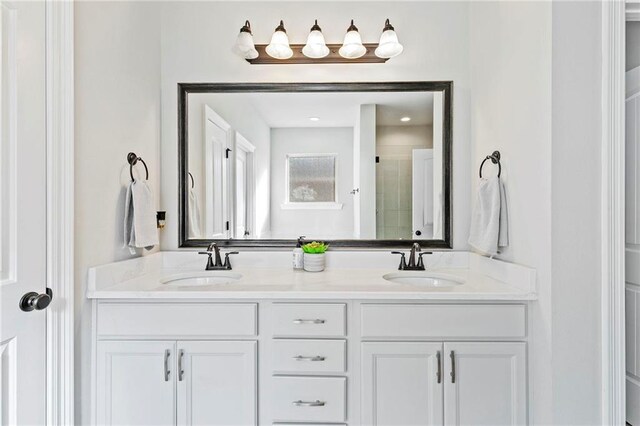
(314, 262)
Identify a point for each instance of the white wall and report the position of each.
(117, 96)
(242, 116)
(511, 112)
(314, 224)
(402, 140)
(196, 46)
(575, 200)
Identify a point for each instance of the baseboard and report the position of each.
(633, 401)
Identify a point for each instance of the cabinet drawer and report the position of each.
(309, 356)
(306, 320)
(177, 319)
(309, 399)
(443, 321)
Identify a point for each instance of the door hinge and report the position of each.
(226, 152)
(227, 225)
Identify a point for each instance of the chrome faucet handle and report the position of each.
(227, 261)
(403, 260)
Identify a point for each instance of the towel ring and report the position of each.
(495, 159)
(133, 159)
(193, 182)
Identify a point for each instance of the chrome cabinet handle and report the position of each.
(308, 321)
(167, 372)
(317, 403)
(453, 367)
(439, 371)
(180, 367)
(309, 358)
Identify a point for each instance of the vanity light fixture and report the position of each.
(405, 119)
(389, 46)
(352, 47)
(316, 51)
(279, 46)
(244, 46)
(316, 47)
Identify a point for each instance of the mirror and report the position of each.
(355, 164)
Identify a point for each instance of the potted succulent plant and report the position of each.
(314, 256)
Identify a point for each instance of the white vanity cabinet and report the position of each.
(402, 383)
(195, 382)
(415, 383)
(176, 363)
(321, 362)
(446, 381)
(133, 385)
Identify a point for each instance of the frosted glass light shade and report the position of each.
(352, 47)
(244, 46)
(279, 46)
(316, 47)
(389, 45)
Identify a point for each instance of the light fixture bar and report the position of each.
(332, 58)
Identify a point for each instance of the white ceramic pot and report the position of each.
(314, 262)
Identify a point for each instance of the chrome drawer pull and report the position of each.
(309, 358)
(167, 372)
(316, 403)
(453, 366)
(180, 367)
(308, 321)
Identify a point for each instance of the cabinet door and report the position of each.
(402, 383)
(135, 383)
(485, 384)
(217, 383)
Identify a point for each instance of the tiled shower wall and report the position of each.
(393, 198)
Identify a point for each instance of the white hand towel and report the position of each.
(194, 215)
(489, 221)
(140, 223)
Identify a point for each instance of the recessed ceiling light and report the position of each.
(405, 119)
(314, 119)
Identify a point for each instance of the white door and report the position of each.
(22, 212)
(485, 384)
(241, 195)
(632, 239)
(216, 155)
(245, 188)
(422, 194)
(136, 383)
(402, 383)
(217, 383)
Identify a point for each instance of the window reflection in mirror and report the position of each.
(331, 166)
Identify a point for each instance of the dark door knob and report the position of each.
(33, 301)
(418, 233)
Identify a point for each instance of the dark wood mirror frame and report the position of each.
(184, 89)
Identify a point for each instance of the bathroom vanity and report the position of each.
(345, 346)
(361, 343)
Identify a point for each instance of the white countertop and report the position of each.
(483, 279)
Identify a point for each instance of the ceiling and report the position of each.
(338, 109)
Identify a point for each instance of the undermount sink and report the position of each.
(200, 279)
(423, 279)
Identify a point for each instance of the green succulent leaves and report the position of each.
(315, 248)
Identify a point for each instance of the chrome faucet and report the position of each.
(412, 265)
(214, 262)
